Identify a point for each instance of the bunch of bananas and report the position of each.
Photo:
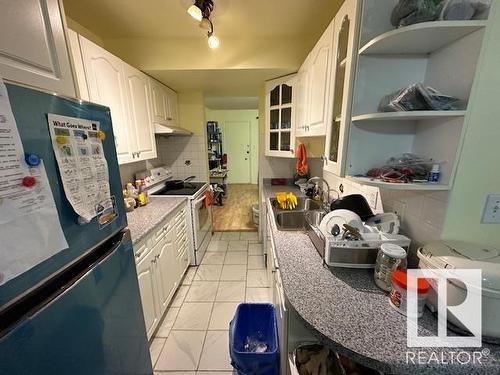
(286, 201)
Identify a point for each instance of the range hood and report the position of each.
(170, 130)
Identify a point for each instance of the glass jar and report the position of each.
(389, 258)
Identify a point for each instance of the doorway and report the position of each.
(236, 137)
(236, 120)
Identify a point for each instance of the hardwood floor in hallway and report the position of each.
(236, 213)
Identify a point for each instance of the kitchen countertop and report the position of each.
(143, 220)
(346, 311)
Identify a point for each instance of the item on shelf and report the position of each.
(465, 10)
(387, 222)
(402, 169)
(409, 12)
(312, 359)
(464, 255)
(353, 202)
(390, 257)
(399, 293)
(434, 174)
(418, 97)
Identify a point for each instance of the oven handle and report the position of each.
(199, 200)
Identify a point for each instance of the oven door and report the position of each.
(202, 222)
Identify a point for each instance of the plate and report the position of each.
(340, 217)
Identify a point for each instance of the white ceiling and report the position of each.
(232, 102)
(260, 39)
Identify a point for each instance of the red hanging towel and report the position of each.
(209, 198)
(301, 165)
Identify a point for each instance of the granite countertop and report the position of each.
(143, 220)
(346, 311)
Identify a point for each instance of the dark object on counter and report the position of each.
(355, 203)
(178, 184)
(278, 181)
(335, 230)
(418, 97)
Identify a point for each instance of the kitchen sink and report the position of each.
(291, 220)
(295, 220)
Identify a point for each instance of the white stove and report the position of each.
(160, 184)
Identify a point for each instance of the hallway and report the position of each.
(236, 213)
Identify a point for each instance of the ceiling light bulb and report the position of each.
(195, 12)
(213, 41)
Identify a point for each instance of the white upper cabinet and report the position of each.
(134, 102)
(140, 116)
(344, 64)
(320, 63)
(302, 106)
(164, 101)
(33, 49)
(106, 85)
(280, 120)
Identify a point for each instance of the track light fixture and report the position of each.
(201, 11)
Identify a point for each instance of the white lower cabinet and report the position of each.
(167, 275)
(161, 261)
(147, 287)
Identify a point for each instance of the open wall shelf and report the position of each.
(421, 38)
(411, 116)
(395, 186)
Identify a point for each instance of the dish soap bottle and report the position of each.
(434, 174)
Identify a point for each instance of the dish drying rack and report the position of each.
(360, 253)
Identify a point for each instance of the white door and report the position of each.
(106, 86)
(147, 288)
(302, 99)
(319, 77)
(167, 270)
(238, 148)
(33, 48)
(141, 119)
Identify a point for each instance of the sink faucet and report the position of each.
(325, 204)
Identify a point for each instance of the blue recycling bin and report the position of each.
(254, 326)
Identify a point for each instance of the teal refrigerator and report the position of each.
(79, 311)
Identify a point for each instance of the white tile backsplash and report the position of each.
(174, 152)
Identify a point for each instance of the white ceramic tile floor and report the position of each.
(231, 291)
(193, 338)
(249, 236)
(257, 278)
(234, 272)
(208, 272)
(218, 246)
(222, 314)
(202, 291)
(168, 322)
(256, 262)
(258, 295)
(213, 258)
(254, 249)
(237, 246)
(181, 351)
(212, 357)
(193, 316)
(236, 258)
